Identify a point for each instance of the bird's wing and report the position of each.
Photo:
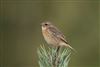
(55, 32)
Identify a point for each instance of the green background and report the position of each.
(20, 30)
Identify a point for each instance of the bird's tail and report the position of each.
(67, 45)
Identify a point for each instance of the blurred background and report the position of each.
(20, 30)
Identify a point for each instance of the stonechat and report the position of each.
(53, 35)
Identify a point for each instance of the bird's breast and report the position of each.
(48, 37)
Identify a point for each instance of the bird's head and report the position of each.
(46, 25)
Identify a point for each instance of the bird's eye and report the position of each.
(46, 24)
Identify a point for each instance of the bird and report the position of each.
(53, 35)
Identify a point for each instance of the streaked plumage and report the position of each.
(53, 36)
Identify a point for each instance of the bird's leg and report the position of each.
(57, 57)
(58, 48)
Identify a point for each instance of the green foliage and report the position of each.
(50, 57)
